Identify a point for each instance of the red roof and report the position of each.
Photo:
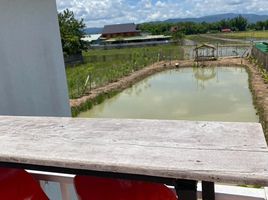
(226, 30)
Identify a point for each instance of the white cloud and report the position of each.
(101, 12)
(147, 4)
(160, 4)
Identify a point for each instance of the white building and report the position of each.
(91, 38)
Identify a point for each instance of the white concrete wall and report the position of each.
(32, 74)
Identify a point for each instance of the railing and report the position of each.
(223, 192)
(113, 142)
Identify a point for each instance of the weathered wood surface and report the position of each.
(208, 151)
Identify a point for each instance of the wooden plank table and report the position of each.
(179, 153)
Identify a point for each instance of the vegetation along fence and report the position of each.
(105, 66)
(73, 60)
(261, 56)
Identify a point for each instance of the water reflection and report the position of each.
(137, 89)
(203, 75)
(214, 94)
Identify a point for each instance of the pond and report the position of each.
(206, 94)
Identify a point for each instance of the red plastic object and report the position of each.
(93, 188)
(19, 185)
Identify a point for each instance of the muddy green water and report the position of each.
(210, 94)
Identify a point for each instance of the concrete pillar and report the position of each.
(32, 73)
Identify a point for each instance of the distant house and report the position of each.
(226, 30)
(174, 29)
(120, 30)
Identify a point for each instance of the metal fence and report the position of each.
(261, 57)
(73, 60)
(132, 45)
(221, 51)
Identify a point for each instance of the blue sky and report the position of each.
(97, 13)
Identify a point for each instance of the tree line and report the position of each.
(238, 23)
(72, 29)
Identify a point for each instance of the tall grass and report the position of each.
(104, 66)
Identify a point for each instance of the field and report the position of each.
(245, 35)
(205, 39)
(105, 66)
(229, 38)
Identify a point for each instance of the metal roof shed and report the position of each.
(262, 46)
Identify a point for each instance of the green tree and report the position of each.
(72, 30)
(177, 36)
(240, 23)
(224, 24)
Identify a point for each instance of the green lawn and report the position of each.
(245, 35)
(105, 66)
(202, 39)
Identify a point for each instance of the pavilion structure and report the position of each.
(205, 52)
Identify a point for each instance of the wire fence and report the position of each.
(221, 51)
(261, 57)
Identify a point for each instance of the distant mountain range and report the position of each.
(252, 18)
(94, 30)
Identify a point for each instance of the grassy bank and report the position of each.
(259, 80)
(90, 103)
(105, 66)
